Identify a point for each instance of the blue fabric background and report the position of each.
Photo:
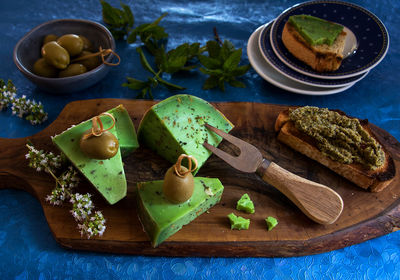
(27, 248)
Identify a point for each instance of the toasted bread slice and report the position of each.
(373, 180)
(321, 58)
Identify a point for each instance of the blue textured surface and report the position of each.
(27, 248)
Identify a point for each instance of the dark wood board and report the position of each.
(366, 215)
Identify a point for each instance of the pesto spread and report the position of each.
(339, 137)
(316, 31)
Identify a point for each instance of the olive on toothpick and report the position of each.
(178, 183)
(97, 142)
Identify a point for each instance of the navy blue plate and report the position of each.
(270, 56)
(268, 73)
(372, 37)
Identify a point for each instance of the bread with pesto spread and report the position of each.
(320, 57)
(373, 180)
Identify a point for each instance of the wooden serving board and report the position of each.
(366, 215)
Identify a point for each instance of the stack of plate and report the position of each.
(367, 42)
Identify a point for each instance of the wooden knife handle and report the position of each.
(318, 202)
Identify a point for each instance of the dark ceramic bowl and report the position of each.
(27, 51)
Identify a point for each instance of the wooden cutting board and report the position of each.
(366, 215)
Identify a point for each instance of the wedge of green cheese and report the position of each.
(175, 126)
(126, 133)
(107, 176)
(161, 218)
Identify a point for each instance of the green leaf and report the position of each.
(143, 93)
(119, 21)
(153, 31)
(213, 49)
(228, 45)
(177, 58)
(153, 81)
(128, 15)
(235, 83)
(151, 35)
(241, 70)
(181, 50)
(194, 50)
(144, 61)
(209, 62)
(109, 15)
(226, 50)
(170, 85)
(233, 60)
(216, 72)
(135, 84)
(157, 21)
(160, 58)
(211, 82)
(131, 37)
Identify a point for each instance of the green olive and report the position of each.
(87, 45)
(72, 43)
(104, 146)
(72, 70)
(91, 62)
(55, 55)
(42, 68)
(178, 189)
(49, 38)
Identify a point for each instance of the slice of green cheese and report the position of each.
(316, 31)
(107, 176)
(175, 126)
(161, 218)
(245, 204)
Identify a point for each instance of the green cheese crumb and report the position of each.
(238, 222)
(271, 222)
(245, 204)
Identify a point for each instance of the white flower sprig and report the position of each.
(41, 160)
(22, 107)
(82, 209)
(89, 223)
(64, 185)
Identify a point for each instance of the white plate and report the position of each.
(269, 54)
(267, 72)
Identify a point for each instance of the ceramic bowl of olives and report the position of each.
(59, 56)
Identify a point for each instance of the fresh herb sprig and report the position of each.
(171, 62)
(151, 35)
(89, 223)
(119, 21)
(21, 106)
(221, 65)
